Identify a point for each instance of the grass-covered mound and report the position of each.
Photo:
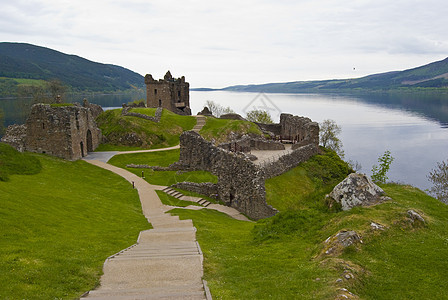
(283, 257)
(14, 162)
(219, 130)
(130, 133)
(162, 159)
(58, 227)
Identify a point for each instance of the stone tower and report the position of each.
(169, 93)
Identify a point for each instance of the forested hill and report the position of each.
(26, 61)
(433, 75)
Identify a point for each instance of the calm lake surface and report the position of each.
(413, 127)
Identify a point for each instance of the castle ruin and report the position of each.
(241, 181)
(169, 93)
(68, 132)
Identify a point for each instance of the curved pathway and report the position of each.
(166, 261)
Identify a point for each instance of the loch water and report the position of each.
(414, 127)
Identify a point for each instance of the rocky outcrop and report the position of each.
(334, 245)
(415, 216)
(357, 190)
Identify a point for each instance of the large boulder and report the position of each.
(357, 190)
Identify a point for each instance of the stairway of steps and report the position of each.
(163, 264)
(180, 196)
(200, 122)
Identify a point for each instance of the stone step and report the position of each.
(168, 237)
(193, 291)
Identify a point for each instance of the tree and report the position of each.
(439, 178)
(328, 136)
(57, 90)
(217, 110)
(259, 116)
(379, 172)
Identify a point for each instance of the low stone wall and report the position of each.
(247, 143)
(156, 118)
(289, 161)
(261, 144)
(15, 136)
(205, 188)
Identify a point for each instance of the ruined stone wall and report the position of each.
(169, 93)
(289, 161)
(299, 129)
(204, 188)
(15, 136)
(240, 182)
(158, 115)
(248, 143)
(68, 132)
(275, 129)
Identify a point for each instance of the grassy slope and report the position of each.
(56, 231)
(163, 159)
(166, 133)
(219, 129)
(281, 257)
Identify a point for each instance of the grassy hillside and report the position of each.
(59, 225)
(26, 61)
(220, 129)
(433, 76)
(127, 132)
(283, 257)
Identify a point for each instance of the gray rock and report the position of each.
(376, 226)
(357, 190)
(347, 238)
(414, 216)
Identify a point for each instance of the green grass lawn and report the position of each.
(219, 129)
(58, 226)
(163, 159)
(146, 134)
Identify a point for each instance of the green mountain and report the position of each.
(26, 61)
(433, 75)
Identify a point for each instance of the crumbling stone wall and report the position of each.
(299, 130)
(15, 136)
(95, 109)
(169, 93)
(204, 188)
(248, 143)
(157, 116)
(289, 161)
(240, 182)
(67, 132)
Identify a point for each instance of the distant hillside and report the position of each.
(26, 61)
(434, 75)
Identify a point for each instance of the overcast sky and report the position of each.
(221, 43)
